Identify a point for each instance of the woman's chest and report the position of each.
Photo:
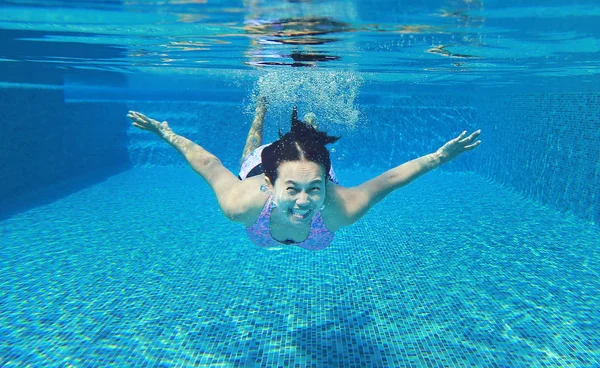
(285, 234)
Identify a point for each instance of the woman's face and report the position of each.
(299, 190)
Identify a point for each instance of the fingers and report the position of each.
(139, 117)
(142, 121)
(475, 134)
(139, 126)
(472, 146)
(134, 115)
(470, 138)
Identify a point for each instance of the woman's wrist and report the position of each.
(438, 158)
(167, 135)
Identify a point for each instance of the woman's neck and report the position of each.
(282, 229)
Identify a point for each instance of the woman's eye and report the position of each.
(291, 190)
(315, 189)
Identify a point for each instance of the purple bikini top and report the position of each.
(260, 232)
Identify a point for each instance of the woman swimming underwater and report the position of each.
(287, 192)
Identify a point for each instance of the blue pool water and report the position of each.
(129, 272)
(114, 253)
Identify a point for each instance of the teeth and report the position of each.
(298, 212)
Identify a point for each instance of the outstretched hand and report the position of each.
(145, 123)
(458, 145)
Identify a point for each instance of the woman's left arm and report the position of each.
(353, 203)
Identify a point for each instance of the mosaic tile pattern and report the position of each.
(141, 269)
(546, 146)
(201, 122)
(45, 141)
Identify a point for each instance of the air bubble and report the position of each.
(330, 95)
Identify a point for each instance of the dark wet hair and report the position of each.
(302, 142)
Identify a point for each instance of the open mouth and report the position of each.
(300, 214)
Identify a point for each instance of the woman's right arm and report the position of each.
(226, 186)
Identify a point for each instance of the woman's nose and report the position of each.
(302, 199)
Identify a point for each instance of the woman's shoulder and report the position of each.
(333, 211)
(251, 200)
(344, 206)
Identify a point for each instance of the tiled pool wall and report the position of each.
(545, 146)
(44, 141)
(220, 128)
(385, 137)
